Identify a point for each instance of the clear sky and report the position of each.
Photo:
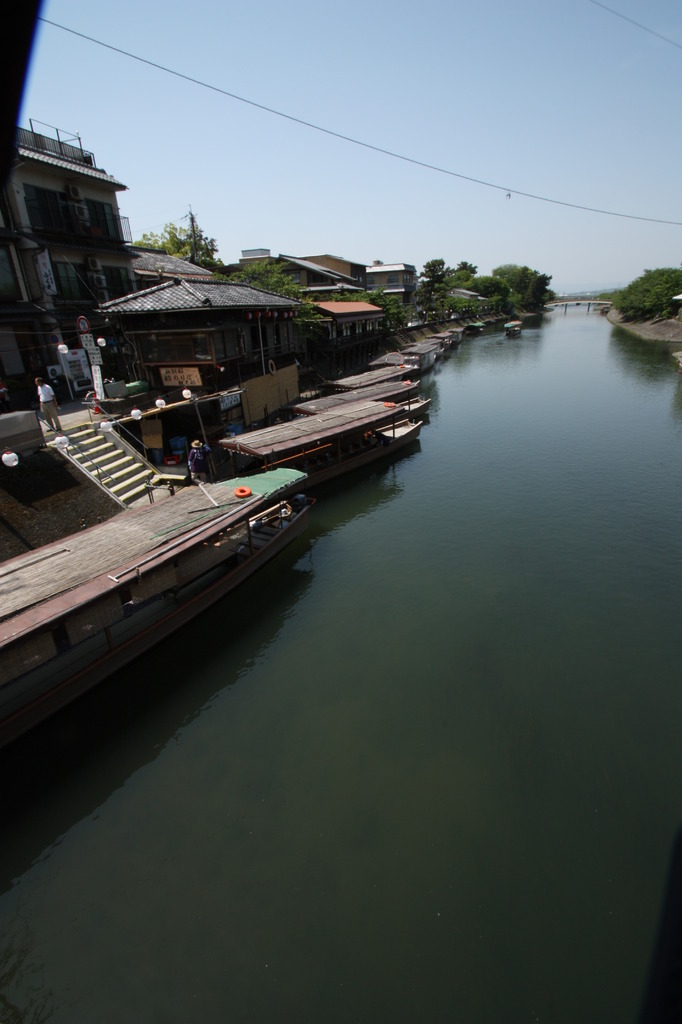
(567, 101)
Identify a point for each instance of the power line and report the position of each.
(636, 24)
(358, 142)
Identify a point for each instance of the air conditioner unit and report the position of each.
(81, 211)
(99, 280)
(74, 192)
(102, 295)
(93, 263)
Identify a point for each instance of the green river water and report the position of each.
(425, 767)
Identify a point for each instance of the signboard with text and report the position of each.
(231, 400)
(180, 376)
(97, 381)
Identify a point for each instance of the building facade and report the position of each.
(394, 279)
(206, 335)
(349, 338)
(64, 250)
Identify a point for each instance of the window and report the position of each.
(9, 285)
(202, 349)
(118, 281)
(47, 209)
(71, 281)
(167, 349)
(103, 219)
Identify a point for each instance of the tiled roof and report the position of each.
(69, 165)
(152, 262)
(178, 295)
(349, 308)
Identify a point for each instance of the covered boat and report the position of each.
(77, 610)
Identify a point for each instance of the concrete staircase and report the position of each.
(113, 464)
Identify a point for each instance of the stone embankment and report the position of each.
(667, 331)
(44, 499)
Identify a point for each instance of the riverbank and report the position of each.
(668, 331)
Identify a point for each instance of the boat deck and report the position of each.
(307, 430)
(398, 389)
(380, 375)
(93, 559)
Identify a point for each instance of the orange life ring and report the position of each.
(242, 492)
(389, 405)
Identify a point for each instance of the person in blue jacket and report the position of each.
(197, 461)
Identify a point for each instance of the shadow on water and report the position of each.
(138, 712)
(647, 361)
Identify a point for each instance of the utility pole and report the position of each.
(193, 257)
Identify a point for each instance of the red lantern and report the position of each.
(249, 315)
(257, 314)
(268, 314)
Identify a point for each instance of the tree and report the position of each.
(435, 282)
(464, 276)
(650, 295)
(529, 289)
(188, 243)
(495, 290)
(270, 276)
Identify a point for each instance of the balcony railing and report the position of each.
(74, 219)
(55, 147)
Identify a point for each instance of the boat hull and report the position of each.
(37, 694)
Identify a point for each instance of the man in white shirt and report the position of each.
(48, 404)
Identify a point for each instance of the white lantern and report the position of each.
(61, 442)
(186, 393)
(63, 348)
(136, 414)
(106, 426)
(10, 459)
(160, 404)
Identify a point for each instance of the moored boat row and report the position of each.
(77, 611)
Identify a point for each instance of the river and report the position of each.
(424, 767)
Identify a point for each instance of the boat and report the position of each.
(423, 354)
(397, 360)
(403, 393)
(76, 611)
(389, 373)
(513, 327)
(323, 446)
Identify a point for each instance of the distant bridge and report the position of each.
(587, 301)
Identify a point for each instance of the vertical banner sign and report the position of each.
(97, 381)
(45, 272)
(94, 356)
